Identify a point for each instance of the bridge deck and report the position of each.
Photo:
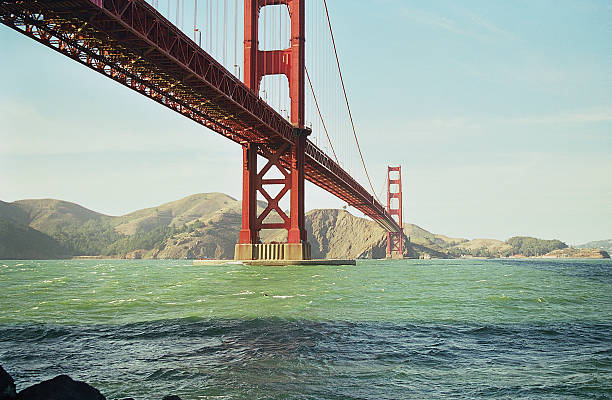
(131, 43)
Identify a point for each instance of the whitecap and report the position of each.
(282, 297)
(243, 293)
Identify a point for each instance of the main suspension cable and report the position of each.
(347, 102)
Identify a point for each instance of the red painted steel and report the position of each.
(131, 43)
(395, 238)
(291, 63)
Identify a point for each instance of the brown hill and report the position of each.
(206, 225)
(180, 212)
(48, 214)
(482, 247)
(571, 252)
(427, 239)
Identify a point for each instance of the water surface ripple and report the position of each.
(380, 330)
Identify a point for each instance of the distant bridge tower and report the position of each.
(288, 158)
(395, 246)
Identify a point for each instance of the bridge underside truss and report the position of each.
(131, 43)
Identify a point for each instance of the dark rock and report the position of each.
(171, 398)
(61, 387)
(7, 385)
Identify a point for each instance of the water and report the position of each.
(533, 329)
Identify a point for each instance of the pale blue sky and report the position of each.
(500, 113)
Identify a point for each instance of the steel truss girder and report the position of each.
(131, 43)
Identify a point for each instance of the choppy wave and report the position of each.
(276, 358)
(443, 329)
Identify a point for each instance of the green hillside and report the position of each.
(530, 247)
(177, 213)
(481, 248)
(206, 225)
(83, 232)
(49, 214)
(425, 238)
(19, 241)
(14, 213)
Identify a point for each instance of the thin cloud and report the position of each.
(577, 117)
(490, 27)
(471, 25)
(436, 21)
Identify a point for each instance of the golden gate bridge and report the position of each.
(287, 105)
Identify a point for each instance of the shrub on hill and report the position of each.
(18, 241)
(533, 247)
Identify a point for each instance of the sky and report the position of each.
(499, 112)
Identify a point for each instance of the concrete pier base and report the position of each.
(273, 251)
(273, 263)
(274, 254)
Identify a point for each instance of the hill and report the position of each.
(199, 226)
(425, 238)
(481, 248)
(206, 225)
(571, 252)
(598, 244)
(178, 213)
(18, 241)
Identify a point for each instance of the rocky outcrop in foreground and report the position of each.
(7, 385)
(62, 387)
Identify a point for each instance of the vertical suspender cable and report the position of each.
(217, 29)
(236, 39)
(346, 99)
(224, 32)
(320, 115)
(195, 19)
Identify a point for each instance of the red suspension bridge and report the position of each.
(268, 112)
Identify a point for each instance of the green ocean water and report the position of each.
(381, 329)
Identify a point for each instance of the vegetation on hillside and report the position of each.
(206, 225)
(18, 241)
(148, 240)
(88, 239)
(532, 247)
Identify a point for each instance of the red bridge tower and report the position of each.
(395, 247)
(288, 158)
